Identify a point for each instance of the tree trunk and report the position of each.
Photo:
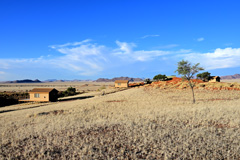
(193, 94)
(192, 85)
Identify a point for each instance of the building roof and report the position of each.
(42, 90)
(214, 77)
(121, 81)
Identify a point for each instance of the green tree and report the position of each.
(160, 77)
(148, 81)
(71, 90)
(204, 76)
(187, 70)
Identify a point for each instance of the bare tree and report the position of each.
(187, 70)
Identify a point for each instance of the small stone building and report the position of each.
(43, 94)
(121, 83)
(214, 79)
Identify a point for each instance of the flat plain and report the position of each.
(231, 80)
(61, 86)
(137, 123)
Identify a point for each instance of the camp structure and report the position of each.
(121, 83)
(43, 95)
(214, 79)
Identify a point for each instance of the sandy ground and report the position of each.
(138, 123)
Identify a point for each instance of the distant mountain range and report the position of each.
(235, 76)
(38, 81)
(24, 81)
(118, 78)
(55, 80)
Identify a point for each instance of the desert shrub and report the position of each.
(160, 77)
(69, 92)
(148, 81)
(11, 98)
(205, 76)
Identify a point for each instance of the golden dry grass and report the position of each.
(61, 86)
(231, 80)
(138, 123)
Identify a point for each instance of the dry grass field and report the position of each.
(61, 86)
(231, 80)
(138, 123)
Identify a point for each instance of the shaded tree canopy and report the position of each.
(205, 76)
(148, 81)
(160, 77)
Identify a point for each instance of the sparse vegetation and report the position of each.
(138, 123)
(160, 77)
(148, 81)
(69, 92)
(205, 76)
(10, 98)
(187, 70)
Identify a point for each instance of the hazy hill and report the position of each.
(235, 76)
(25, 81)
(118, 78)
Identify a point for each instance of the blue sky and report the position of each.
(89, 39)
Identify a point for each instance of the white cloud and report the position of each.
(126, 52)
(200, 39)
(86, 58)
(82, 58)
(125, 47)
(220, 58)
(147, 36)
(1, 72)
(70, 44)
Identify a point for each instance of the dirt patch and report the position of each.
(55, 112)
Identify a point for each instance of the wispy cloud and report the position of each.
(220, 58)
(147, 36)
(126, 52)
(228, 44)
(168, 46)
(90, 59)
(125, 48)
(83, 57)
(1, 72)
(70, 44)
(200, 39)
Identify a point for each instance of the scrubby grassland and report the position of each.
(139, 123)
(60, 86)
(231, 80)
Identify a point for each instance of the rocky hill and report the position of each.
(235, 76)
(118, 78)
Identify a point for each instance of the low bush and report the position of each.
(9, 98)
(69, 92)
